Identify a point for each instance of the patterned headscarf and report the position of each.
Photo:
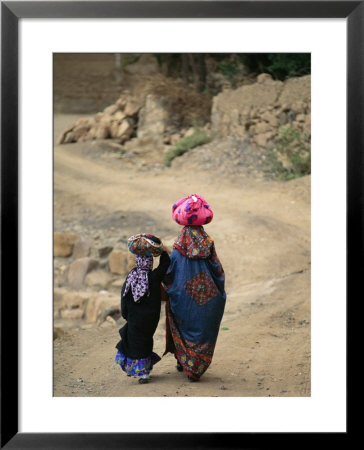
(137, 279)
(194, 243)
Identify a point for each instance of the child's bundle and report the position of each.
(145, 245)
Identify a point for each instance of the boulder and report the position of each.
(81, 248)
(57, 333)
(296, 89)
(63, 242)
(99, 279)
(132, 107)
(153, 118)
(63, 135)
(101, 132)
(72, 313)
(78, 271)
(75, 300)
(118, 261)
(112, 109)
(105, 250)
(58, 293)
(80, 131)
(123, 131)
(99, 304)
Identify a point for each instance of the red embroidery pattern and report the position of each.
(194, 242)
(194, 358)
(201, 288)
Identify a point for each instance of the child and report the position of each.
(140, 307)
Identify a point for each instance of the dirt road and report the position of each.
(261, 230)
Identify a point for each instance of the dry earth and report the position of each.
(261, 230)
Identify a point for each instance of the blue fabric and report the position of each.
(198, 323)
(136, 366)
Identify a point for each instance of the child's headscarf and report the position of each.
(137, 279)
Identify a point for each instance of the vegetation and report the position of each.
(185, 144)
(292, 158)
(279, 65)
(191, 68)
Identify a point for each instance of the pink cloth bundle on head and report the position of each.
(192, 210)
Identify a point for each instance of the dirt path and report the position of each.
(262, 235)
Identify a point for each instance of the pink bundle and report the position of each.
(192, 210)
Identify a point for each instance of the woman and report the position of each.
(195, 286)
(140, 307)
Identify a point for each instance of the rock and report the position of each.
(262, 127)
(301, 117)
(63, 242)
(80, 131)
(262, 139)
(58, 293)
(264, 78)
(111, 320)
(101, 132)
(99, 279)
(78, 271)
(132, 107)
(153, 118)
(189, 132)
(104, 251)
(118, 283)
(296, 89)
(118, 261)
(112, 109)
(63, 135)
(72, 313)
(270, 118)
(98, 304)
(119, 116)
(75, 300)
(57, 333)
(125, 130)
(81, 248)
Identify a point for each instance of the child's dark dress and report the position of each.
(135, 349)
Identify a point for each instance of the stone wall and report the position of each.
(258, 110)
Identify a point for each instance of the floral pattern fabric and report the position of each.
(137, 280)
(136, 367)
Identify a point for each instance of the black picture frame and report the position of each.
(11, 12)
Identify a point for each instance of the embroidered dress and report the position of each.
(195, 286)
(136, 367)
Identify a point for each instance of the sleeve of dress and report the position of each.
(161, 270)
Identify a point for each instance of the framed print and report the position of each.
(81, 174)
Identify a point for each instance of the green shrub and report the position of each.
(279, 65)
(292, 146)
(185, 144)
